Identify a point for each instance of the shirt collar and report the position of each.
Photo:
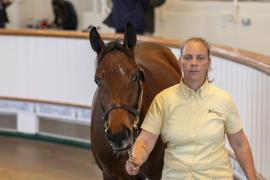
(187, 92)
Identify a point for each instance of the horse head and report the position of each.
(120, 90)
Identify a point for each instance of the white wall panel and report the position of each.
(220, 22)
(56, 69)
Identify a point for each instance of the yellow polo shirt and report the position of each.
(193, 124)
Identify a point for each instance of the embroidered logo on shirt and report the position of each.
(215, 112)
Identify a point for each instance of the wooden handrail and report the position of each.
(248, 58)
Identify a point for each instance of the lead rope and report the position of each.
(137, 118)
(140, 173)
(136, 128)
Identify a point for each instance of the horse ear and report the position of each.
(96, 42)
(130, 37)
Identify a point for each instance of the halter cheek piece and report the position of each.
(135, 112)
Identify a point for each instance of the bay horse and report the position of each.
(128, 77)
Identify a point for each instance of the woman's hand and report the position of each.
(142, 147)
(133, 165)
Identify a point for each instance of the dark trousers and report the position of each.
(2, 24)
(3, 18)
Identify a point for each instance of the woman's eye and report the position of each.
(200, 58)
(187, 57)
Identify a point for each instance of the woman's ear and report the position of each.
(210, 62)
(179, 62)
(181, 66)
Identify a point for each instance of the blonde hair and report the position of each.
(200, 40)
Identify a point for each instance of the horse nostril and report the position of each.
(127, 133)
(123, 135)
(109, 135)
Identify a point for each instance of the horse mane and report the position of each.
(114, 46)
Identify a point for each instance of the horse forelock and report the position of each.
(113, 46)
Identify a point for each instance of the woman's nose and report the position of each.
(194, 61)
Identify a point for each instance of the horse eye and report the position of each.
(97, 81)
(135, 77)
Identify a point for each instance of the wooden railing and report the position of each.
(251, 59)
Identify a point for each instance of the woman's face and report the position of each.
(194, 62)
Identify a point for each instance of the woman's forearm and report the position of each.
(143, 146)
(140, 151)
(244, 156)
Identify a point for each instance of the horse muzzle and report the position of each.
(120, 141)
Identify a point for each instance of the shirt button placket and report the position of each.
(194, 126)
(189, 175)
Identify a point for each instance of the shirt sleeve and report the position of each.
(233, 121)
(154, 118)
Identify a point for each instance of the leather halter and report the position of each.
(135, 112)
